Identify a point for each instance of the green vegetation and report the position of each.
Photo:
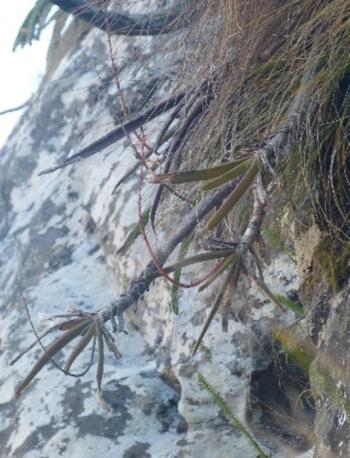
(331, 264)
(33, 24)
(263, 133)
(229, 414)
(134, 234)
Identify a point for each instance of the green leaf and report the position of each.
(51, 350)
(33, 24)
(135, 233)
(199, 175)
(232, 277)
(231, 417)
(228, 176)
(235, 196)
(296, 308)
(184, 247)
(295, 349)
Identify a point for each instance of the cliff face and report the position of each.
(60, 234)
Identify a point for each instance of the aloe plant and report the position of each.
(89, 327)
(51, 351)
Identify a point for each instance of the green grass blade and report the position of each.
(296, 308)
(184, 247)
(51, 350)
(198, 175)
(235, 196)
(295, 349)
(228, 176)
(231, 417)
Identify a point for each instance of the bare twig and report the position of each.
(33, 344)
(12, 110)
(142, 284)
(253, 228)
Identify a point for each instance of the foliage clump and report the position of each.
(261, 108)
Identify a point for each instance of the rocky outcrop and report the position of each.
(59, 237)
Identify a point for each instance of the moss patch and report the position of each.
(276, 241)
(324, 386)
(331, 263)
(323, 264)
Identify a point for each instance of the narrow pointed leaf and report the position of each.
(208, 256)
(198, 175)
(228, 176)
(232, 275)
(113, 348)
(134, 234)
(184, 247)
(224, 264)
(100, 364)
(234, 197)
(296, 308)
(110, 341)
(44, 334)
(266, 290)
(69, 324)
(81, 345)
(51, 350)
(227, 304)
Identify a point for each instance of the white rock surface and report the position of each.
(59, 234)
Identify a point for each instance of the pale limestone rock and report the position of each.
(59, 234)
